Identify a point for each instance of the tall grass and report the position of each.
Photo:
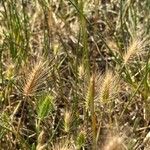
(74, 74)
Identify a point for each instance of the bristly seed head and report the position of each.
(136, 47)
(66, 144)
(35, 78)
(67, 121)
(108, 87)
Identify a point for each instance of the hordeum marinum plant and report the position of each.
(67, 121)
(109, 86)
(59, 80)
(65, 144)
(35, 78)
(136, 47)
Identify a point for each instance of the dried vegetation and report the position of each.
(74, 75)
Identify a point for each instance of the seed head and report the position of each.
(136, 47)
(35, 78)
(108, 87)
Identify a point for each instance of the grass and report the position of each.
(74, 75)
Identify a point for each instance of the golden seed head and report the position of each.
(35, 79)
(136, 47)
(67, 144)
(81, 71)
(67, 121)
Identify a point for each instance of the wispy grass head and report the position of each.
(35, 78)
(64, 145)
(108, 87)
(136, 47)
(67, 121)
(81, 71)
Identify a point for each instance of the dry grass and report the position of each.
(136, 47)
(64, 145)
(114, 143)
(35, 78)
(74, 70)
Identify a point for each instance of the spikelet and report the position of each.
(114, 143)
(81, 71)
(10, 71)
(40, 142)
(35, 78)
(108, 87)
(136, 48)
(81, 139)
(64, 145)
(67, 121)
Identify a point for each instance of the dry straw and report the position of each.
(40, 142)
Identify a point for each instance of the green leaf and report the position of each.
(45, 106)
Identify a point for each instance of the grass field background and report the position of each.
(75, 75)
